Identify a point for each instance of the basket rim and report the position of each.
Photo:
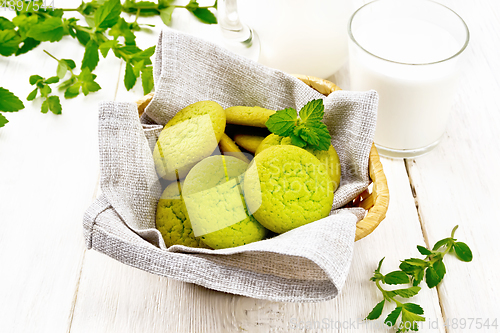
(377, 202)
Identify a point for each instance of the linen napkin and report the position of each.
(309, 263)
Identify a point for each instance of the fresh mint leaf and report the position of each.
(282, 122)
(409, 318)
(87, 81)
(431, 277)
(424, 251)
(91, 56)
(130, 77)
(442, 243)
(396, 277)
(45, 90)
(144, 55)
(35, 78)
(28, 45)
(147, 79)
(324, 136)
(45, 106)
(166, 14)
(440, 268)
(3, 120)
(108, 14)
(393, 316)
(377, 311)
(462, 251)
(106, 46)
(5, 24)
(122, 29)
(297, 141)
(307, 134)
(416, 262)
(312, 111)
(204, 15)
(9, 102)
(407, 292)
(51, 80)
(32, 95)
(72, 91)
(9, 42)
(54, 104)
(50, 30)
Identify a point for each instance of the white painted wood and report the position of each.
(48, 168)
(458, 182)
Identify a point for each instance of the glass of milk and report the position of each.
(409, 52)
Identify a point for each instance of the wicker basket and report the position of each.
(376, 200)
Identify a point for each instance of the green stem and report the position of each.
(69, 9)
(50, 55)
(137, 14)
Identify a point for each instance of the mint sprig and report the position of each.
(412, 271)
(105, 30)
(306, 129)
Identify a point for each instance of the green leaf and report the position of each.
(9, 102)
(147, 79)
(45, 90)
(379, 265)
(393, 316)
(166, 15)
(3, 120)
(28, 45)
(35, 78)
(416, 262)
(407, 292)
(50, 30)
(5, 24)
(412, 307)
(396, 277)
(144, 55)
(71, 64)
(377, 311)
(205, 15)
(54, 104)
(88, 84)
(91, 56)
(424, 251)
(45, 106)
(282, 122)
(441, 243)
(32, 95)
(312, 111)
(9, 42)
(122, 29)
(130, 77)
(72, 91)
(192, 5)
(410, 319)
(307, 134)
(462, 251)
(108, 14)
(62, 69)
(324, 136)
(83, 37)
(106, 46)
(51, 80)
(297, 141)
(440, 268)
(145, 4)
(431, 277)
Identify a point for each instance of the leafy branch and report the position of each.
(412, 271)
(105, 30)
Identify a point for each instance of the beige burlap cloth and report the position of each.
(306, 264)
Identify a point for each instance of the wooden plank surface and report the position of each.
(458, 182)
(49, 167)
